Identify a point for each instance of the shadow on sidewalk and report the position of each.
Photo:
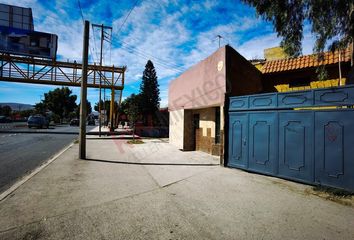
(150, 163)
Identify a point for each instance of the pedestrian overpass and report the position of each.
(51, 72)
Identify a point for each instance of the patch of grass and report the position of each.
(135, 141)
(76, 141)
(333, 191)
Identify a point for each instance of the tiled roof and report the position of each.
(305, 62)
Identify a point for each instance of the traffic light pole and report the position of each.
(83, 105)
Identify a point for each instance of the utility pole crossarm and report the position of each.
(100, 25)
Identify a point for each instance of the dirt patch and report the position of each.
(334, 191)
(332, 194)
(33, 235)
(136, 141)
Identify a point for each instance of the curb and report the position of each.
(33, 173)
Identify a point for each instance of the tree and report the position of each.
(149, 91)
(88, 107)
(40, 108)
(26, 113)
(124, 105)
(132, 109)
(106, 105)
(5, 110)
(332, 21)
(60, 101)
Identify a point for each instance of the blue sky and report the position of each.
(174, 34)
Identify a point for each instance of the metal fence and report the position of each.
(305, 136)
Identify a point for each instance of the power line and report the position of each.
(156, 59)
(83, 21)
(131, 50)
(126, 18)
(108, 38)
(82, 15)
(128, 48)
(161, 62)
(94, 41)
(104, 36)
(177, 66)
(110, 51)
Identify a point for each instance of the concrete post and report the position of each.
(83, 105)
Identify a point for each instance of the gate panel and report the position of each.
(238, 140)
(334, 151)
(296, 152)
(306, 136)
(263, 142)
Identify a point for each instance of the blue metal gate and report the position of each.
(306, 136)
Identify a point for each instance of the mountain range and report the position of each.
(18, 106)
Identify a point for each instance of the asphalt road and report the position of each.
(22, 149)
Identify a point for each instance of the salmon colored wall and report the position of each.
(203, 85)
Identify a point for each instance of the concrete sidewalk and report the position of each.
(155, 191)
(119, 133)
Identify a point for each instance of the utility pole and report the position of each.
(99, 104)
(100, 85)
(83, 105)
(112, 110)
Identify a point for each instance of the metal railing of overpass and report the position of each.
(51, 72)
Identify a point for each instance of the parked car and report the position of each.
(37, 121)
(74, 122)
(4, 119)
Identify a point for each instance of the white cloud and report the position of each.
(254, 47)
(156, 30)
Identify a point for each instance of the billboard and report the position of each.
(16, 17)
(28, 43)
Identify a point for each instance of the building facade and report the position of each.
(197, 99)
(199, 96)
